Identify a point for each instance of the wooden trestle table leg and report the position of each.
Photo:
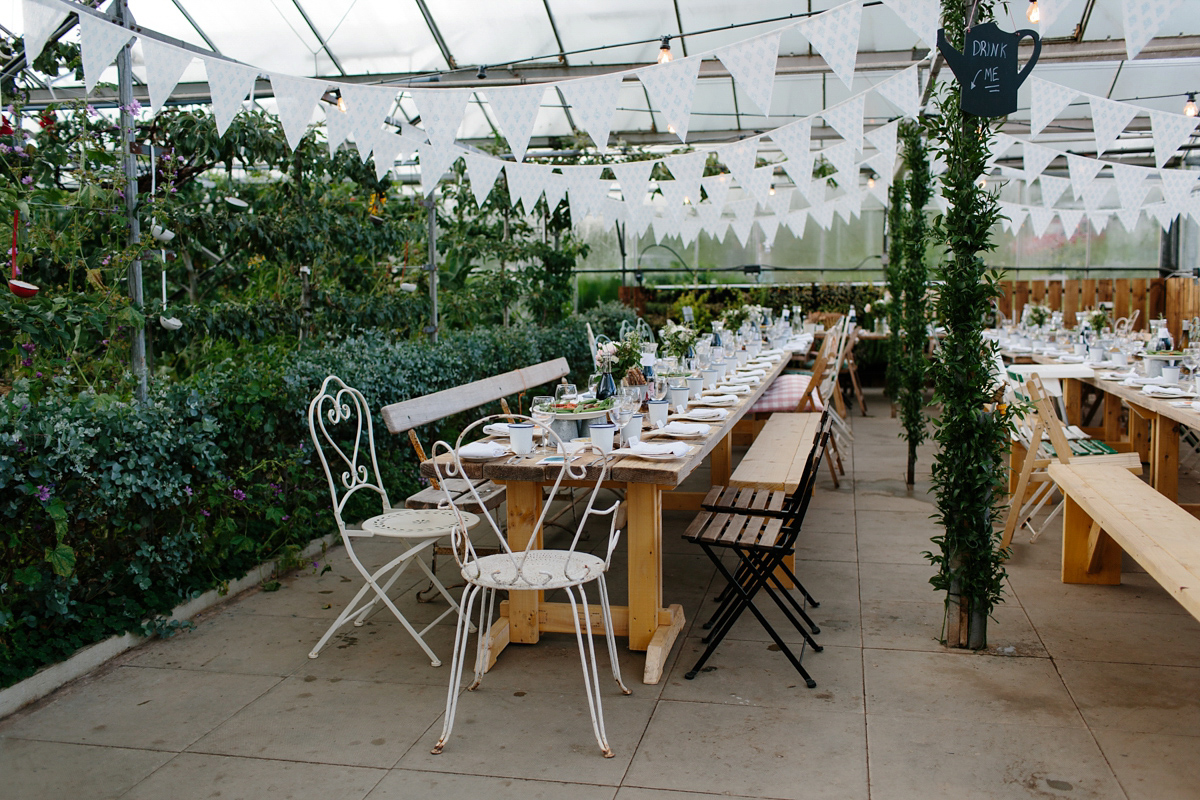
(1165, 457)
(1073, 401)
(649, 629)
(524, 507)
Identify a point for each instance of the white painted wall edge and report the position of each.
(47, 679)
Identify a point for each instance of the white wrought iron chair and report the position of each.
(531, 569)
(339, 421)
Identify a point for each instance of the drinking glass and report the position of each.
(659, 387)
(565, 393)
(542, 411)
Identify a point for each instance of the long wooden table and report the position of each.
(650, 626)
(1153, 428)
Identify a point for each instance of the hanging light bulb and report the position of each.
(772, 192)
(341, 102)
(670, 129)
(1189, 108)
(1033, 12)
(870, 181)
(664, 50)
(982, 182)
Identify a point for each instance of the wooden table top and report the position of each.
(622, 469)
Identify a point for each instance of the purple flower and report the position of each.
(5, 148)
(187, 490)
(91, 110)
(29, 347)
(238, 494)
(28, 179)
(44, 494)
(204, 511)
(38, 375)
(27, 362)
(104, 342)
(286, 517)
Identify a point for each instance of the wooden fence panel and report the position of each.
(1070, 302)
(1139, 303)
(1056, 292)
(1120, 298)
(1037, 292)
(1020, 297)
(1156, 298)
(1005, 300)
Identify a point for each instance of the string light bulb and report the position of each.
(982, 182)
(870, 181)
(341, 103)
(664, 50)
(1033, 12)
(1189, 108)
(670, 129)
(772, 191)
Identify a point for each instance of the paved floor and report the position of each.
(1087, 692)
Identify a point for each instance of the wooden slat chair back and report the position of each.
(820, 367)
(1044, 422)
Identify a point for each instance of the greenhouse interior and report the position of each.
(764, 399)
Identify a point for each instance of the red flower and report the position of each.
(5, 128)
(47, 120)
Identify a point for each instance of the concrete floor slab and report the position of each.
(404, 784)
(196, 776)
(35, 769)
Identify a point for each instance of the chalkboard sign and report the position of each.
(987, 71)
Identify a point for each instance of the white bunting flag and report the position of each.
(814, 190)
(1099, 220)
(1040, 219)
(688, 169)
(759, 185)
(903, 90)
(526, 183)
(689, 230)
(556, 190)
(672, 88)
(797, 221)
(799, 171)
(769, 225)
(744, 208)
(719, 229)
(1070, 219)
(295, 101)
(841, 206)
(441, 112)
(337, 127)
(164, 67)
(834, 34)
(640, 215)
(880, 190)
(781, 201)
(1163, 213)
(795, 141)
(516, 110)
(100, 42)
(388, 147)
(482, 171)
(1052, 188)
(1095, 193)
(742, 228)
(841, 157)
(1109, 118)
(1082, 171)
(708, 213)
(585, 188)
(368, 107)
(674, 197)
(1000, 145)
(41, 20)
(1130, 181)
(752, 65)
(847, 119)
(1050, 11)
(228, 84)
(1177, 185)
(435, 160)
(921, 17)
(634, 177)
(593, 103)
(1170, 132)
(1016, 215)
(883, 139)
(1037, 158)
(1129, 218)
(1046, 101)
(822, 214)
(740, 158)
(1142, 20)
(716, 190)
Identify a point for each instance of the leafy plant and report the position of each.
(969, 472)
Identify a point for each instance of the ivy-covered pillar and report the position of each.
(969, 471)
(895, 293)
(914, 284)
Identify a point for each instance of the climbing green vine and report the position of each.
(914, 278)
(969, 471)
(892, 271)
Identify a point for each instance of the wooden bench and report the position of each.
(405, 416)
(1109, 510)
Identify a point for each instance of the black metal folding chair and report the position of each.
(762, 531)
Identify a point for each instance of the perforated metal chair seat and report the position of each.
(543, 569)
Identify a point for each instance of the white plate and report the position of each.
(480, 459)
(690, 416)
(665, 456)
(582, 415)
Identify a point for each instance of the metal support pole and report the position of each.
(129, 162)
(432, 330)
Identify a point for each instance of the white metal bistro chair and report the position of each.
(339, 420)
(531, 569)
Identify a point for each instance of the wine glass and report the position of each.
(660, 387)
(565, 393)
(542, 410)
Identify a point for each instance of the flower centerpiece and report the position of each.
(1038, 315)
(732, 318)
(626, 355)
(1098, 320)
(678, 340)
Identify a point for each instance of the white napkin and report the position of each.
(715, 400)
(754, 373)
(1164, 391)
(707, 414)
(496, 429)
(1115, 376)
(483, 450)
(768, 353)
(727, 388)
(1132, 381)
(686, 429)
(676, 449)
(1071, 359)
(749, 380)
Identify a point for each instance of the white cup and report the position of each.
(520, 435)
(1119, 359)
(602, 436)
(1095, 354)
(721, 367)
(695, 385)
(1081, 349)
(1170, 374)
(710, 377)
(632, 431)
(679, 398)
(742, 357)
(658, 412)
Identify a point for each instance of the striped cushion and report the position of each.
(784, 395)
